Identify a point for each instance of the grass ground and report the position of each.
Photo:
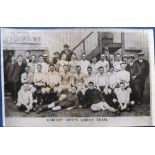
(12, 111)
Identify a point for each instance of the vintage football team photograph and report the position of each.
(76, 72)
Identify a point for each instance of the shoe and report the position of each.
(70, 108)
(80, 106)
(57, 108)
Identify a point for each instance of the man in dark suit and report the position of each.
(67, 51)
(130, 69)
(19, 68)
(27, 58)
(140, 73)
(9, 71)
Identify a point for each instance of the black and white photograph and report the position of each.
(76, 76)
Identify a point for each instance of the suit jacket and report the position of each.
(9, 71)
(17, 72)
(25, 62)
(141, 70)
(130, 69)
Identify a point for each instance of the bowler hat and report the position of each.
(66, 45)
(140, 53)
(132, 57)
(125, 56)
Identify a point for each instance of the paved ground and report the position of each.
(12, 111)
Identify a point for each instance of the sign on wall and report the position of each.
(24, 38)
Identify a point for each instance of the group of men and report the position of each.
(113, 83)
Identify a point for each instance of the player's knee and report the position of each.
(48, 90)
(93, 107)
(62, 97)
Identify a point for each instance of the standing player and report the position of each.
(84, 64)
(123, 75)
(104, 63)
(32, 64)
(93, 64)
(117, 63)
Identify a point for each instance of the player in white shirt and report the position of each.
(112, 78)
(117, 63)
(52, 82)
(123, 97)
(39, 84)
(90, 77)
(43, 64)
(93, 65)
(123, 75)
(103, 63)
(102, 83)
(84, 64)
(25, 99)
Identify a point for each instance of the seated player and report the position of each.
(65, 80)
(95, 100)
(25, 99)
(123, 97)
(52, 82)
(123, 75)
(39, 84)
(62, 62)
(68, 100)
